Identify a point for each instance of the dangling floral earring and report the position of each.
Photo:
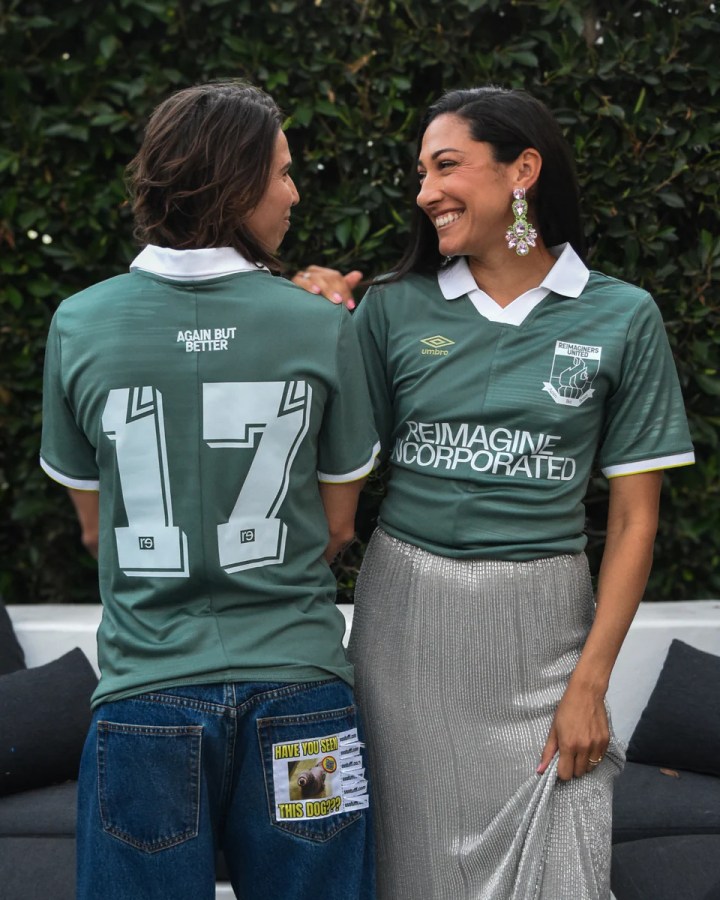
(521, 235)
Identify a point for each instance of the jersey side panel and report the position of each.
(66, 454)
(645, 423)
(347, 415)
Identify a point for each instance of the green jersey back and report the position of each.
(206, 411)
(492, 426)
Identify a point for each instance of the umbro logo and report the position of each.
(436, 343)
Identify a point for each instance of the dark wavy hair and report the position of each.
(202, 168)
(510, 121)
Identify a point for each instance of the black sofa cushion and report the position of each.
(37, 844)
(685, 867)
(48, 812)
(45, 714)
(650, 803)
(42, 822)
(37, 868)
(680, 726)
(12, 657)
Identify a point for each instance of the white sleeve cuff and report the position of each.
(355, 475)
(650, 465)
(77, 484)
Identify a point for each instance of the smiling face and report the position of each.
(464, 192)
(270, 220)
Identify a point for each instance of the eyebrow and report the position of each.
(441, 151)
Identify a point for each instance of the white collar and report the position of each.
(568, 277)
(193, 265)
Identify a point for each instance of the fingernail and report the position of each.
(351, 304)
(315, 289)
(336, 298)
(539, 770)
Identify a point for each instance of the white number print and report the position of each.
(150, 544)
(271, 418)
(275, 415)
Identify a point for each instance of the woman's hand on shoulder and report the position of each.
(329, 283)
(580, 733)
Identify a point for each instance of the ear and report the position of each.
(526, 168)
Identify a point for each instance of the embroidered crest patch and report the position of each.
(574, 369)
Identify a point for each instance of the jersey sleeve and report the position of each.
(645, 424)
(66, 455)
(371, 326)
(348, 443)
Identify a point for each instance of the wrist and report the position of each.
(594, 683)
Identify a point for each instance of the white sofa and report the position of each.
(48, 631)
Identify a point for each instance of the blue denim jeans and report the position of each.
(255, 770)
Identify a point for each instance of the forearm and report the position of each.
(624, 570)
(87, 507)
(580, 730)
(340, 504)
(336, 545)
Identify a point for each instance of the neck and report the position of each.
(504, 275)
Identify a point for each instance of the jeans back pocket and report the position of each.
(315, 777)
(149, 783)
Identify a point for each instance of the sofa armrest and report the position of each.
(47, 631)
(696, 622)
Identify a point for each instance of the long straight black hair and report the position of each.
(510, 121)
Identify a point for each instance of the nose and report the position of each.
(294, 193)
(428, 193)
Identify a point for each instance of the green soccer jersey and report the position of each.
(205, 398)
(493, 417)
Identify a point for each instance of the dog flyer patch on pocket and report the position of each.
(319, 777)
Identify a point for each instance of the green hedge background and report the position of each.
(635, 86)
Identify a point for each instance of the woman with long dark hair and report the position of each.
(501, 369)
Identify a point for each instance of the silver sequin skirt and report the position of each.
(460, 665)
